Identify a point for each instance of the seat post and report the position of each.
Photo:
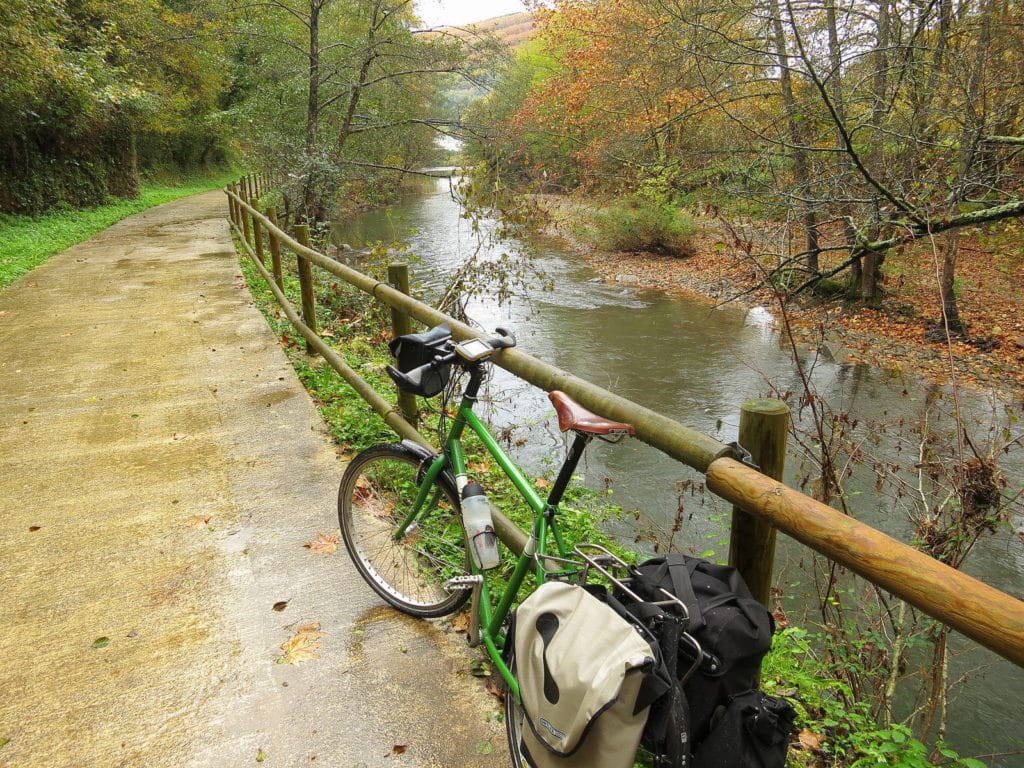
(565, 473)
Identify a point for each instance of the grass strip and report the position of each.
(28, 241)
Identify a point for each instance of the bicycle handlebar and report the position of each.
(466, 354)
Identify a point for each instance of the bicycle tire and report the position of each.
(376, 492)
(672, 755)
(514, 724)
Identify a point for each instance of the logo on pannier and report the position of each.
(551, 729)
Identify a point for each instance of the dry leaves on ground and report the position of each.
(323, 544)
(303, 645)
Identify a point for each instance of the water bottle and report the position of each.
(476, 515)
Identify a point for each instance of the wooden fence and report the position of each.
(763, 505)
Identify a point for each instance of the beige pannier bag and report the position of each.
(580, 666)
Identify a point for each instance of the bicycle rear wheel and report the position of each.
(377, 491)
(514, 724)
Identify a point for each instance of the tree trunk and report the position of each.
(871, 275)
(309, 195)
(865, 274)
(843, 163)
(801, 167)
(122, 159)
(950, 320)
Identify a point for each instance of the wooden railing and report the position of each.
(763, 505)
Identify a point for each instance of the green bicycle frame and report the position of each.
(544, 522)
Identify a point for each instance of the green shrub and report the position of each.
(636, 224)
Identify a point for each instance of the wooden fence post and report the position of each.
(232, 215)
(764, 425)
(305, 270)
(246, 223)
(275, 249)
(398, 276)
(257, 231)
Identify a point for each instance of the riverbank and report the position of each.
(890, 336)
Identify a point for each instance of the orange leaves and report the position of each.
(323, 544)
(615, 73)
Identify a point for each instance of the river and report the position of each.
(697, 364)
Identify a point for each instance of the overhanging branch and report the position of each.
(1011, 210)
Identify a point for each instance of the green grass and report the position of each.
(28, 241)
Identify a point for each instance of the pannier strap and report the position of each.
(573, 416)
(680, 574)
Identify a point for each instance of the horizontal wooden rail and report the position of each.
(678, 441)
(992, 618)
(392, 417)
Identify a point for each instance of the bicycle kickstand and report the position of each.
(476, 583)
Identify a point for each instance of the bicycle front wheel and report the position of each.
(409, 571)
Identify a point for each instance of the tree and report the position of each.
(864, 124)
(358, 77)
(89, 90)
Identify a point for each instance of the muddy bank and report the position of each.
(890, 336)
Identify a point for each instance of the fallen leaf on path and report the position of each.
(542, 482)
(199, 521)
(303, 645)
(460, 622)
(101, 642)
(399, 749)
(323, 544)
(280, 605)
(496, 690)
(480, 467)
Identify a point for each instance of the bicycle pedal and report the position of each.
(468, 581)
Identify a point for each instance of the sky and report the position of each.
(437, 13)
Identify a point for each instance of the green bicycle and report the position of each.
(401, 512)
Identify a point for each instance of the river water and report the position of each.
(697, 364)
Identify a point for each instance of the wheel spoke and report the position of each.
(409, 571)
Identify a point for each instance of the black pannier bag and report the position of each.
(735, 632)
(750, 731)
(414, 354)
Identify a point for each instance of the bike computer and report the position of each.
(473, 349)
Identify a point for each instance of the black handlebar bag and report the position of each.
(581, 669)
(414, 355)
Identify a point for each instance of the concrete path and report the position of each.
(161, 468)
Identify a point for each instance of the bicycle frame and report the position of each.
(545, 525)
